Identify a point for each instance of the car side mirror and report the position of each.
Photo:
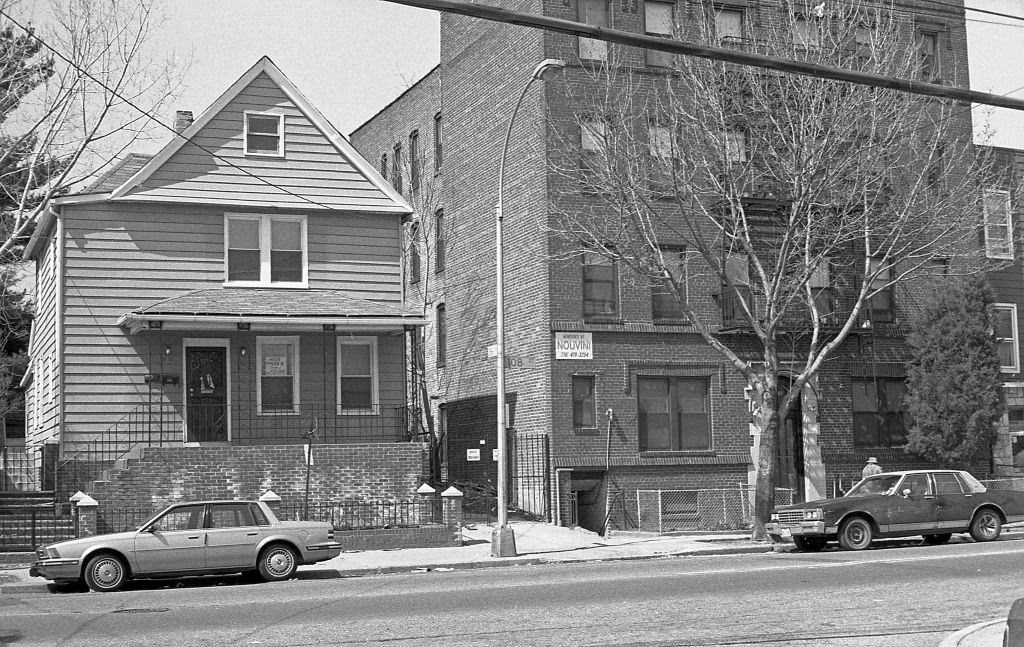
(905, 493)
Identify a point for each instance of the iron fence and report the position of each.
(19, 470)
(168, 425)
(26, 530)
(703, 509)
(366, 515)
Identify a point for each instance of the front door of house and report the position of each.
(206, 395)
(789, 466)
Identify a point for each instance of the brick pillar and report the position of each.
(428, 497)
(451, 513)
(272, 500)
(85, 514)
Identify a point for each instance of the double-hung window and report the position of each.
(928, 51)
(998, 224)
(659, 143)
(729, 26)
(664, 305)
(439, 240)
(358, 381)
(600, 286)
(673, 413)
(878, 412)
(414, 253)
(736, 145)
(593, 142)
(396, 168)
(593, 12)
(414, 160)
(438, 143)
(264, 134)
(265, 250)
(442, 336)
(880, 306)
(806, 34)
(1005, 316)
(658, 21)
(583, 410)
(278, 361)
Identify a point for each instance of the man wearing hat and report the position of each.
(871, 468)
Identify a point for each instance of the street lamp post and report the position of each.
(503, 540)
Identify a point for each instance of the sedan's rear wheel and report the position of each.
(855, 534)
(809, 544)
(986, 525)
(105, 573)
(277, 562)
(935, 540)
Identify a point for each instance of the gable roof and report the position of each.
(205, 163)
(118, 174)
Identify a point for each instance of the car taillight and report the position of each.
(330, 535)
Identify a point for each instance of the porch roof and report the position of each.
(269, 309)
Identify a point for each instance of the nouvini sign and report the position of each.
(574, 345)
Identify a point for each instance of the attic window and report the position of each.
(264, 134)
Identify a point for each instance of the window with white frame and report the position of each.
(358, 381)
(998, 224)
(277, 359)
(265, 250)
(1005, 315)
(264, 134)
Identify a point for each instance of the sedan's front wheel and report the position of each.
(105, 573)
(986, 525)
(855, 534)
(277, 563)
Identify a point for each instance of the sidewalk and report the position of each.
(536, 543)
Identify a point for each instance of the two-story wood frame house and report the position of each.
(242, 287)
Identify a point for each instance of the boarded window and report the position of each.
(593, 12)
(658, 21)
(729, 26)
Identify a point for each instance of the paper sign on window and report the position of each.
(275, 366)
(472, 454)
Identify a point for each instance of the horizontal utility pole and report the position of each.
(499, 14)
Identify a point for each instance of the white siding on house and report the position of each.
(43, 394)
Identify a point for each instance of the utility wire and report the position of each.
(156, 120)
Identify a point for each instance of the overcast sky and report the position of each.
(351, 57)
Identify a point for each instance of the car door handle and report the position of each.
(928, 496)
(194, 537)
(968, 496)
(251, 534)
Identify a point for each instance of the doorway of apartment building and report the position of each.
(589, 495)
(206, 394)
(789, 452)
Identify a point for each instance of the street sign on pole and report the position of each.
(511, 359)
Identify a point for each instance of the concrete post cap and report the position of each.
(425, 489)
(87, 502)
(270, 497)
(452, 491)
(77, 496)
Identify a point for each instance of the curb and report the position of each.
(953, 640)
(38, 585)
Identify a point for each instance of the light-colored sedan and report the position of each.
(194, 538)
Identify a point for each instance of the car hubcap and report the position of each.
(856, 534)
(279, 562)
(107, 573)
(988, 525)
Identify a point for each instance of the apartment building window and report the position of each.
(384, 166)
(880, 306)
(593, 12)
(439, 240)
(414, 253)
(928, 51)
(936, 168)
(396, 168)
(265, 250)
(806, 34)
(438, 153)
(583, 408)
(592, 146)
(442, 334)
(659, 142)
(729, 26)
(664, 305)
(998, 224)
(600, 286)
(277, 359)
(821, 289)
(878, 412)
(414, 160)
(673, 414)
(736, 145)
(1005, 315)
(264, 134)
(358, 375)
(659, 20)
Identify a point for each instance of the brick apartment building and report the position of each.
(440, 144)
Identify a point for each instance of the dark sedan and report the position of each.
(931, 503)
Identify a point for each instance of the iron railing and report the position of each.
(366, 515)
(19, 470)
(704, 509)
(170, 424)
(28, 529)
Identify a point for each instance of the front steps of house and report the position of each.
(31, 519)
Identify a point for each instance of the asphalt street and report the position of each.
(899, 596)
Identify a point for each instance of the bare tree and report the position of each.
(801, 202)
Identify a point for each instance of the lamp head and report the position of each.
(547, 66)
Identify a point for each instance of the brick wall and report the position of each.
(358, 471)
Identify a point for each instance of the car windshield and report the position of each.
(881, 484)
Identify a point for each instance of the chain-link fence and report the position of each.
(1015, 484)
(729, 508)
